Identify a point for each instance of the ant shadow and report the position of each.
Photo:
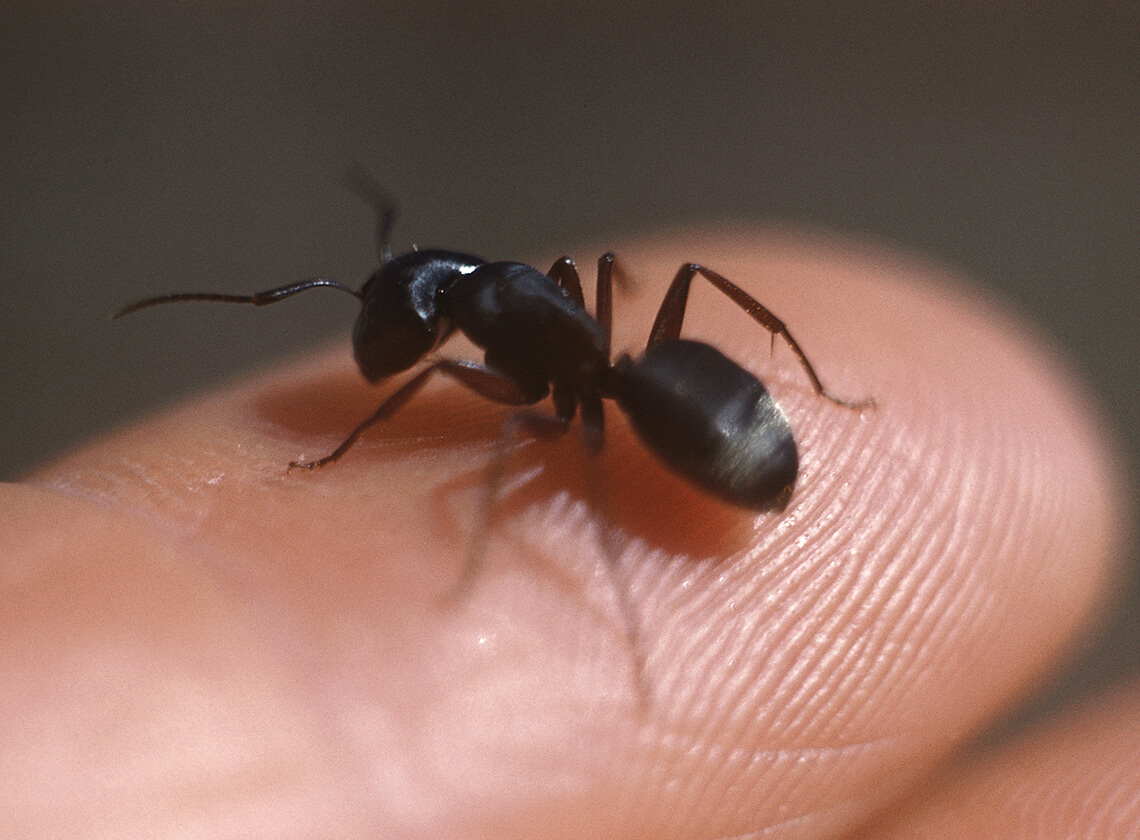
(632, 492)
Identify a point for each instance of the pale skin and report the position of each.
(199, 643)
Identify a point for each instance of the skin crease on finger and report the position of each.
(208, 644)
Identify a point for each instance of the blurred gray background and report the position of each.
(148, 148)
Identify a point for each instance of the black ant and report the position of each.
(703, 415)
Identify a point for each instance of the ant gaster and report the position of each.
(703, 415)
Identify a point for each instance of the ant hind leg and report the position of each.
(671, 314)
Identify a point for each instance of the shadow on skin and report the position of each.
(642, 498)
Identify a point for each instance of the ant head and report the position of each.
(400, 321)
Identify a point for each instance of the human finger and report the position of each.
(1076, 776)
(803, 667)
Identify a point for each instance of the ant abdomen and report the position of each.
(710, 420)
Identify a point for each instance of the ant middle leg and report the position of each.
(565, 274)
(610, 271)
(671, 314)
(610, 538)
(545, 426)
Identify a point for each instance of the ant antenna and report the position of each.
(259, 299)
(360, 181)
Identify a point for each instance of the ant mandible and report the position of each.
(703, 415)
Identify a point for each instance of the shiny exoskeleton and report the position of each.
(703, 415)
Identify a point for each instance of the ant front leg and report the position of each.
(482, 380)
(670, 316)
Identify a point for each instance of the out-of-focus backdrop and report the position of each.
(155, 147)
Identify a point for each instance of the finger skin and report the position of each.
(1076, 777)
(141, 696)
(940, 552)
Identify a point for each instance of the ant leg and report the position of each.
(604, 303)
(611, 544)
(541, 425)
(593, 423)
(610, 270)
(483, 381)
(566, 275)
(360, 181)
(258, 299)
(672, 312)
